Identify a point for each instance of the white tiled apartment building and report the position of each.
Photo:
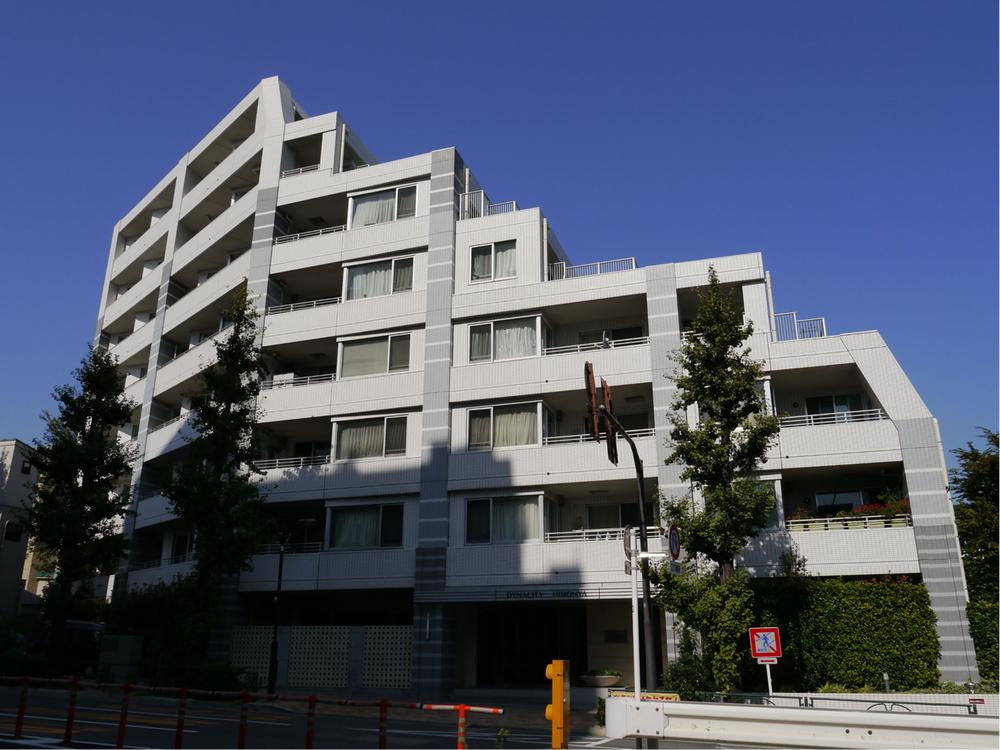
(425, 410)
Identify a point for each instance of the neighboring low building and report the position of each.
(425, 409)
(17, 477)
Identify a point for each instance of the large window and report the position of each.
(375, 356)
(371, 438)
(366, 526)
(832, 503)
(503, 426)
(836, 404)
(501, 520)
(618, 516)
(379, 279)
(383, 206)
(503, 339)
(494, 261)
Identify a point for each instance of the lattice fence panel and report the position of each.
(386, 656)
(319, 656)
(251, 650)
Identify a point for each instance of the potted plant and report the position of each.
(601, 677)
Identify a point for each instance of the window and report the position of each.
(831, 503)
(383, 206)
(837, 404)
(495, 261)
(503, 339)
(371, 438)
(367, 526)
(503, 426)
(25, 466)
(12, 532)
(618, 516)
(375, 356)
(501, 520)
(379, 279)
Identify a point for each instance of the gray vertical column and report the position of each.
(937, 546)
(664, 340)
(433, 641)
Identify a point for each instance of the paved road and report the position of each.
(215, 724)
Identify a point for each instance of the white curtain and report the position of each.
(374, 208)
(402, 275)
(360, 439)
(366, 357)
(355, 527)
(479, 343)
(506, 254)
(515, 425)
(482, 263)
(479, 428)
(515, 519)
(514, 338)
(369, 280)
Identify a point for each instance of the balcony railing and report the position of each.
(585, 438)
(300, 170)
(290, 463)
(848, 523)
(213, 337)
(295, 548)
(476, 204)
(559, 271)
(178, 418)
(157, 562)
(596, 346)
(840, 417)
(311, 233)
(594, 535)
(275, 309)
(270, 385)
(788, 327)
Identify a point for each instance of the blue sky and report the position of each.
(853, 143)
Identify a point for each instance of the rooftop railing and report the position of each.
(594, 535)
(788, 327)
(300, 170)
(265, 464)
(269, 385)
(585, 438)
(275, 309)
(560, 271)
(848, 523)
(840, 417)
(596, 346)
(311, 233)
(476, 204)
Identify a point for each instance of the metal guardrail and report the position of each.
(788, 327)
(560, 271)
(297, 548)
(594, 535)
(585, 438)
(596, 346)
(848, 523)
(275, 309)
(300, 170)
(476, 204)
(290, 463)
(311, 233)
(841, 417)
(270, 385)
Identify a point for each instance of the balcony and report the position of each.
(589, 562)
(841, 417)
(282, 239)
(308, 567)
(597, 346)
(288, 398)
(788, 327)
(476, 204)
(185, 365)
(560, 271)
(152, 572)
(278, 309)
(853, 437)
(299, 170)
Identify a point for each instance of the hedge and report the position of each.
(983, 628)
(847, 632)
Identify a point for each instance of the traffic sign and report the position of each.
(767, 660)
(765, 642)
(674, 538)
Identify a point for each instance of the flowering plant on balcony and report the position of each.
(898, 507)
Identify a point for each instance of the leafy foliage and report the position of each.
(688, 675)
(81, 495)
(974, 483)
(720, 457)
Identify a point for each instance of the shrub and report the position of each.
(983, 628)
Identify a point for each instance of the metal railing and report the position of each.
(311, 233)
(294, 548)
(290, 463)
(594, 535)
(275, 309)
(213, 337)
(560, 271)
(178, 418)
(788, 327)
(847, 523)
(585, 438)
(270, 385)
(476, 204)
(596, 346)
(840, 417)
(162, 562)
(300, 170)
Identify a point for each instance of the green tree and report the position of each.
(214, 489)
(721, 456)
(82, 491)
(974, 482)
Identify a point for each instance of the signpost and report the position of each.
(765, 647)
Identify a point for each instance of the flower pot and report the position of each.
(600, 680)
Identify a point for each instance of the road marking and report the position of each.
(471, 733)
(62, 719)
